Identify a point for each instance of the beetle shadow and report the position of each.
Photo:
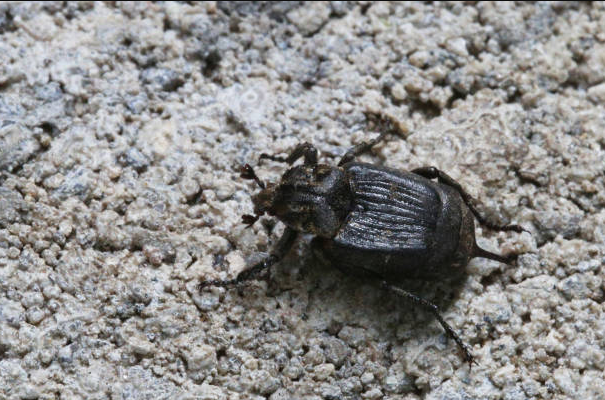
(331, 299)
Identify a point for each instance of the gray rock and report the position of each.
(17, 145)
(162, 79)
(135, 159)
(11, 206)
(330, 392)
(336, 351)
(354, 337)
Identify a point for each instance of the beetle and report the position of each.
(372, 221)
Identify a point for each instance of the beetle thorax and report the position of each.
(311, 199)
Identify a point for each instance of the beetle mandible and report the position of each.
(373, 221)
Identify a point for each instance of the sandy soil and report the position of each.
(122, 129)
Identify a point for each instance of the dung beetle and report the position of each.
(372, 221)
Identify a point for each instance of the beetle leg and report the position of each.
(247, 172)
(279, 252)
(442, 177)
(468, 357)
(506, 259)
(306, 150)
(385, 124)
(361, 148)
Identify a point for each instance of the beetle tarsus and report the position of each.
(435, 311)
(468, 357)
(361, 148)
(506, 259)
(250, 274)
(306, 150)
(385, 124)
(442, 177)
(247, 275)
(265, 156)
(281, 249)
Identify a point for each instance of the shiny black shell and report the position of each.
(400, 226)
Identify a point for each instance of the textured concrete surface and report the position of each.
(122, 128)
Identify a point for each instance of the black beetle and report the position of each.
(373, 221)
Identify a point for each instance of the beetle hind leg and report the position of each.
(443, 178)
(468, 357)
(508, 259)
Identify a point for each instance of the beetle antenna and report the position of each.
(479, 252)
(247, 172)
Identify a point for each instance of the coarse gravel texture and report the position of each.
(122, 129)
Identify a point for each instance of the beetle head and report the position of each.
(264, 201)
(309, 198)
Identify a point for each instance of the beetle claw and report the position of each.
(468, 357)
(249, 219)
(216, 283)
(247, 172)
(514, 228)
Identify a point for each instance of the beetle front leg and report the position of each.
(281, 249)
(442, 177)
(306, 150)
(468, 357)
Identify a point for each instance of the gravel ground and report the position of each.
(122, 128)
